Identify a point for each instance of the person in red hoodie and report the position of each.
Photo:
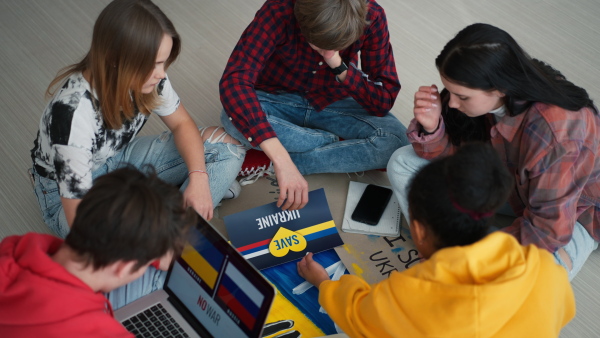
(127, 225)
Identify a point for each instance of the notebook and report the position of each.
(210, 291)
(389, 224)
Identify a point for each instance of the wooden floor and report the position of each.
(38, 37)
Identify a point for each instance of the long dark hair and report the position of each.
(455, 196)
(487, 58)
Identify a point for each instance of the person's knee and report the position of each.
(386, 141)
(388, 136)
(390, 124)
(398, 160)
(216, 134)
(382, 147)
(397, 140)
(565, 258)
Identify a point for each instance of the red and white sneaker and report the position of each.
(256, 165)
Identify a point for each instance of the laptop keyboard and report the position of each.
(154, 322)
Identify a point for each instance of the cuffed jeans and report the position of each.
(405, 163)
(223, 163)
(313, 138)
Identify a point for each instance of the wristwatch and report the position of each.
(340, 69)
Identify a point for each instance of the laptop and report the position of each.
(210, 291)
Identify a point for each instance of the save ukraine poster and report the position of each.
(268, 236)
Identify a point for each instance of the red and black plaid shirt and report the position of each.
(272, 55)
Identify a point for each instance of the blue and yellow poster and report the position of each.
(268, 236)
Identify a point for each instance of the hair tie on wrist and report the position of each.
(197, 171)
(473, 214)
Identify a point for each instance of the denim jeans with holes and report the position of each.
(223, 162)
(313, 138)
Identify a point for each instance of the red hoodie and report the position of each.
(40, 298)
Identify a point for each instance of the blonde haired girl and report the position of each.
(90, 125)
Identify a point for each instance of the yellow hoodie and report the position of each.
(493, 288)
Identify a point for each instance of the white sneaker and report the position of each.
(234, 191)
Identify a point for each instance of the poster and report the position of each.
(268, 236)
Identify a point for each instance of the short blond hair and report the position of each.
(331, 24)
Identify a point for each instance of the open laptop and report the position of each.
(210, 291)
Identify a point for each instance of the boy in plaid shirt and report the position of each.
(293, 89)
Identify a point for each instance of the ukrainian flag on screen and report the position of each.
(204, 259)
(240, 296)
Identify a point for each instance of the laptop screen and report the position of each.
(222, 290)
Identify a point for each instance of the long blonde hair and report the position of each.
(125, 42)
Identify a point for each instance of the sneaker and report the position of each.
(256, 165)
(263, 171)
(254, 162)
(234, 191)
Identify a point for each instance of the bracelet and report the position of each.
(197, 171)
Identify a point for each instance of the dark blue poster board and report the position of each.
(269, 236)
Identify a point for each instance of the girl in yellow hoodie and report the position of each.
(472, 283)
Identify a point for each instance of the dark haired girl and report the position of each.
(472, 284)
(544, 128)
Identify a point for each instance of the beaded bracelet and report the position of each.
(197, 171)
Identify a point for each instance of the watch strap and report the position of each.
(340, 69)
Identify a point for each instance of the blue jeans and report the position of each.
(313, 138)
(405, 163)
(223, 162)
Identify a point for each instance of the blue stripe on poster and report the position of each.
(321, 233)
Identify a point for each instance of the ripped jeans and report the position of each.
(223, 162)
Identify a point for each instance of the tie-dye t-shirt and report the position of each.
(72, 141)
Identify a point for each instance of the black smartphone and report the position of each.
(371, 205)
